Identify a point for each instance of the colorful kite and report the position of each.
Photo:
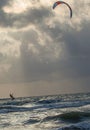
(62, 2)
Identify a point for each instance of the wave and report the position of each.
(3, 125)
(71, 117)
(68, 112)
(31, 121)
(79, 126)
(52, 102)
(11, 107)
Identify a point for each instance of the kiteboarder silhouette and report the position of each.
(11, 96)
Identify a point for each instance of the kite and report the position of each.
(62, 2)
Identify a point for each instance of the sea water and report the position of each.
(57, 112)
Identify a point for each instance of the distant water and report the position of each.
(58, 112)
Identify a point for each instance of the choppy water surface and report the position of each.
(60, 112)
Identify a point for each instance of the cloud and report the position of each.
(40, 44)
(3, 3)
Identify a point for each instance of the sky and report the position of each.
(43, 51)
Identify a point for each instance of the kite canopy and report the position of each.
(62, 2)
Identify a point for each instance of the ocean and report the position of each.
(57, 112)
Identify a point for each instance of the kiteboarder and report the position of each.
(11, 96)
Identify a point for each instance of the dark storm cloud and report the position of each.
(42, 64)
(74, 65)
(31, 16)
(4, 3)
(4, 18)
(78, 48)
